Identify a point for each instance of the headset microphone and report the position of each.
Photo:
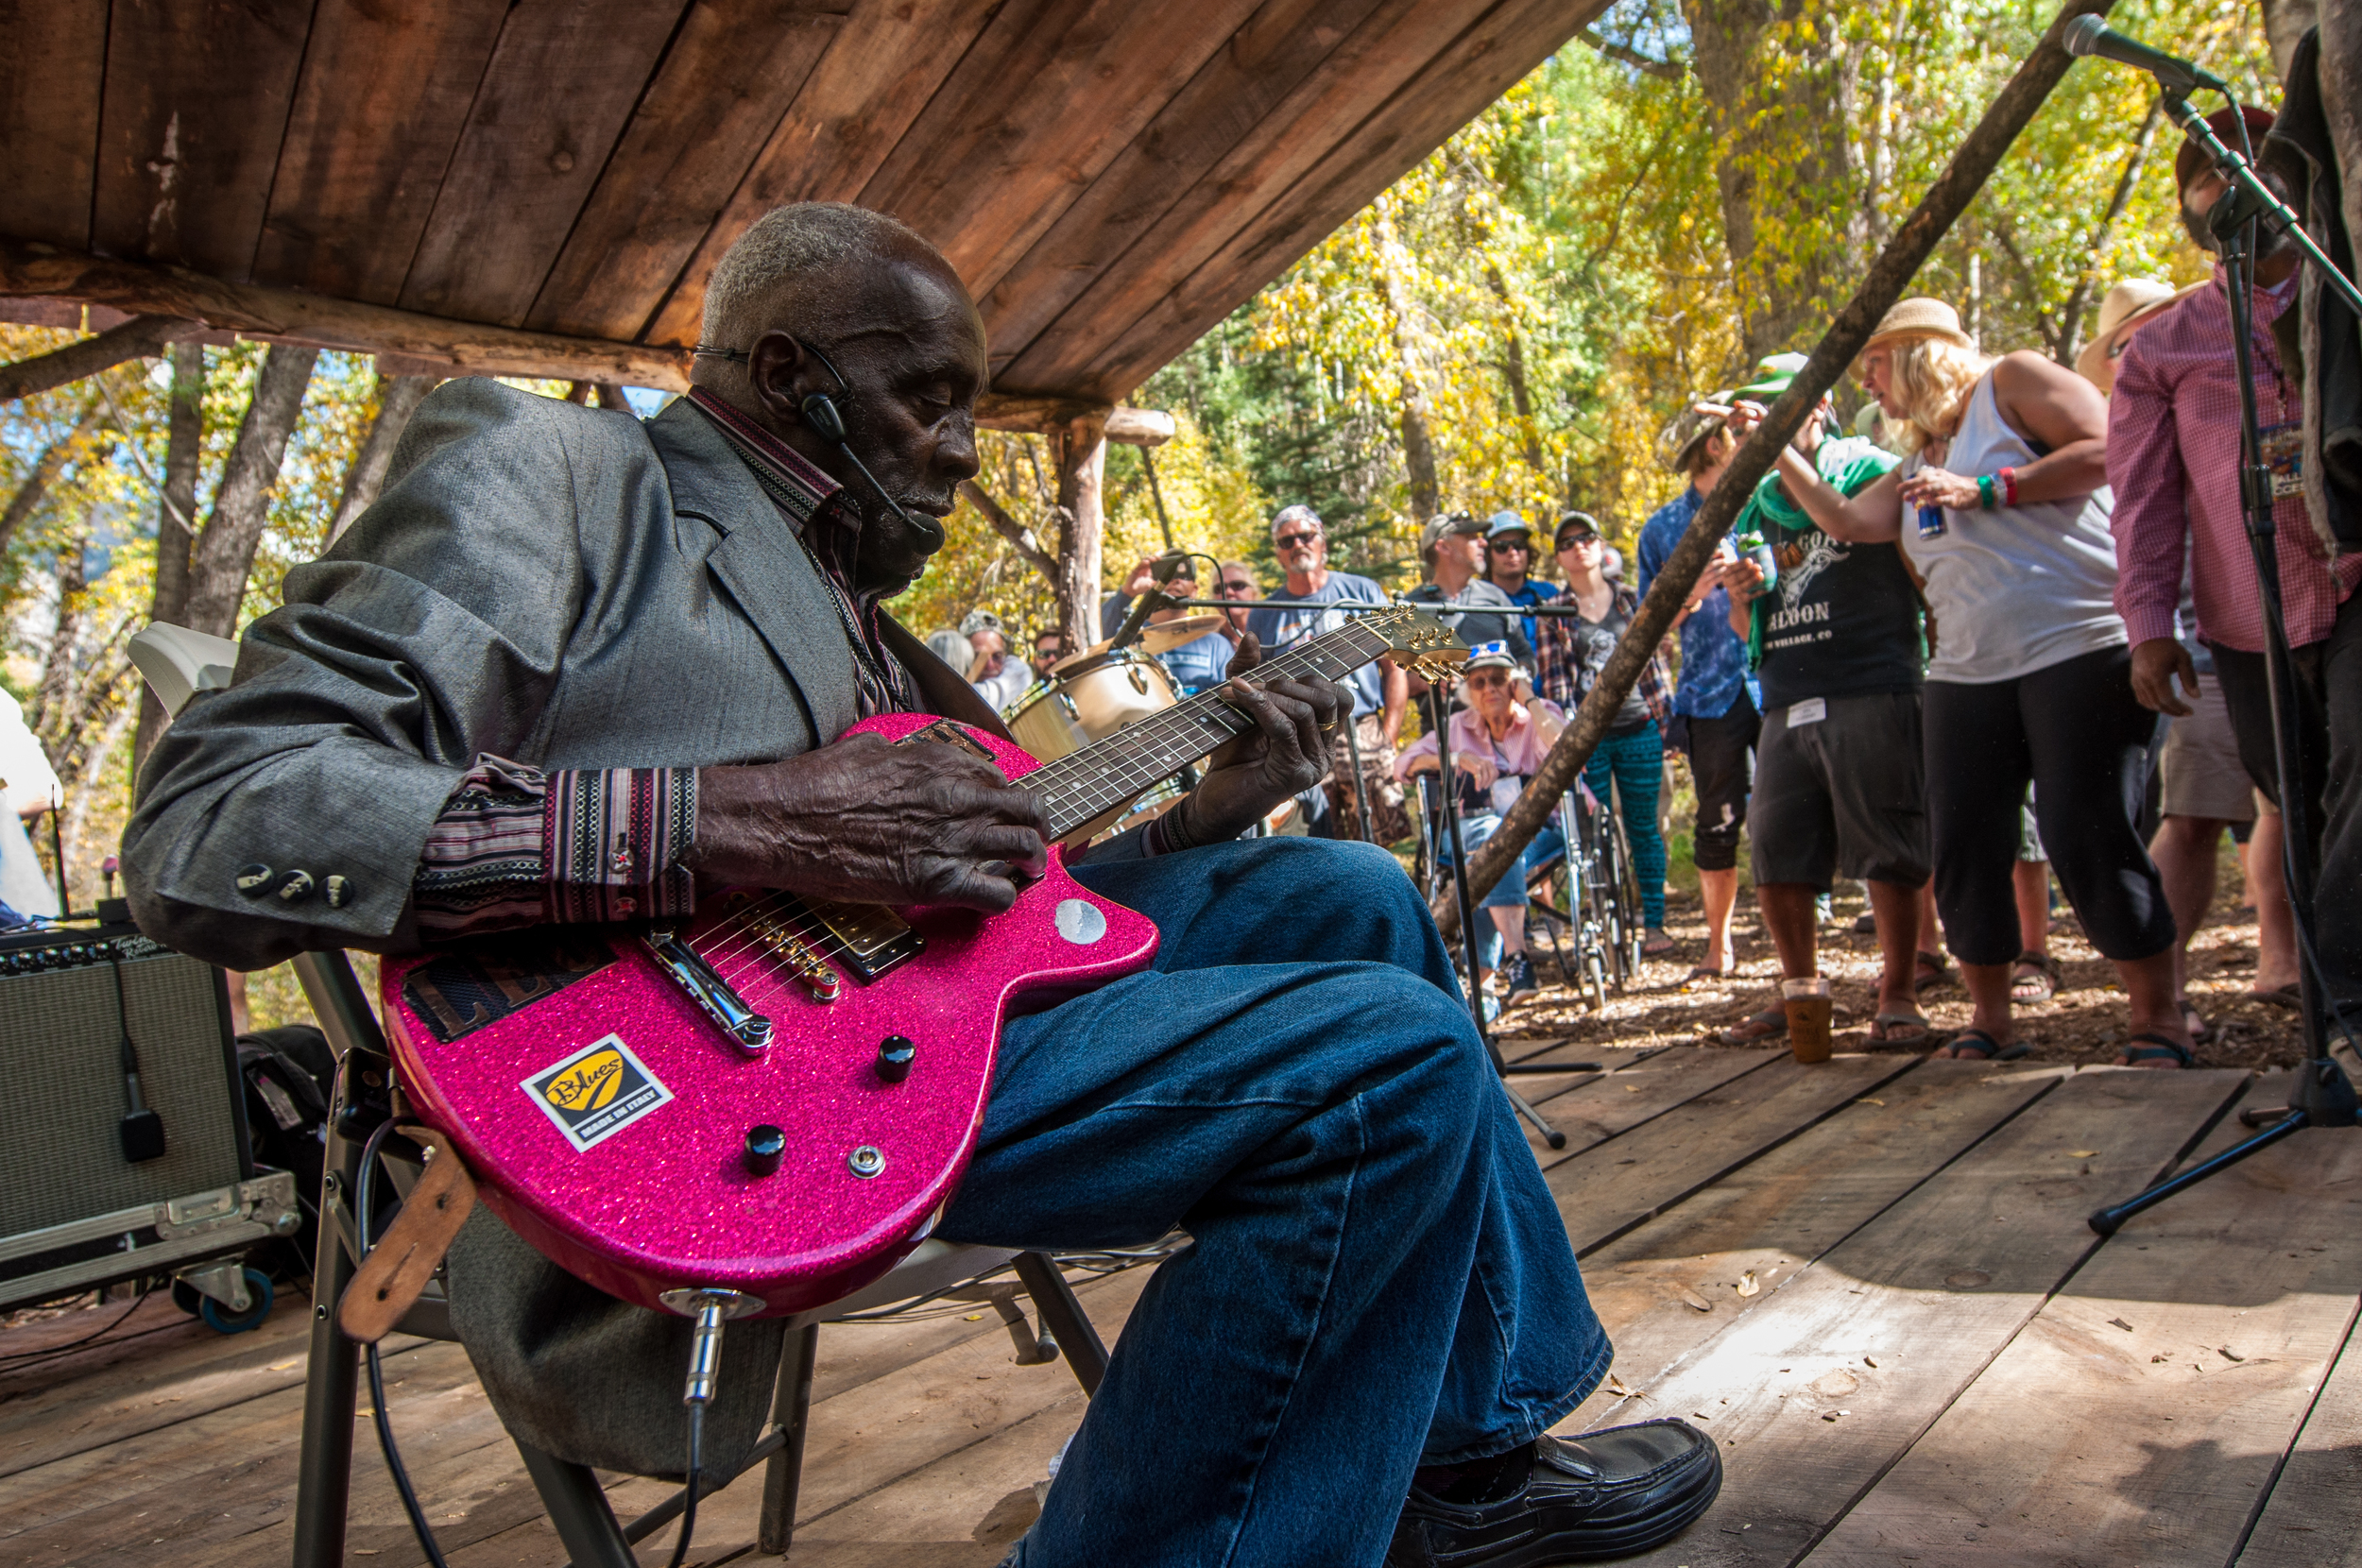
(827, 421)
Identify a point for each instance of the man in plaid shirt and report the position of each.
(2174, 435)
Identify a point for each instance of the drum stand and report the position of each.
(1438, 712)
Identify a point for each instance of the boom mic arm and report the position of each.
(2089, 35)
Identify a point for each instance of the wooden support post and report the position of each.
(1080, 447)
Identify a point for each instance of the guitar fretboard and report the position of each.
(1078, 788)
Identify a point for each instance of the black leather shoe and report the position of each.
(1606, 1494)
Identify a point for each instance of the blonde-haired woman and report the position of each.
(2003, 505)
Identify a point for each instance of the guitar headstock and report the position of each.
(1418, 642)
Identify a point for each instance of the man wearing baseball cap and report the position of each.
(1839, 783)
(1716, 700)
(2174, 445)
(1508, 557)
(1451, 547)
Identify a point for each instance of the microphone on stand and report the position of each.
(2089, 35)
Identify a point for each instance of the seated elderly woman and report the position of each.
(1498, 742)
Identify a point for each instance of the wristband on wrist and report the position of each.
(2009, 486)
(1984, 492)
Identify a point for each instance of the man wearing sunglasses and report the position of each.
(1380, 690)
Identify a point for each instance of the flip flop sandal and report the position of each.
(1899, 1029)
(2159, 1049)
(1700, 972)
(1927, 970)
(1656, 944)
(2041, 984)
(1759, 1029)
(1987, 1048)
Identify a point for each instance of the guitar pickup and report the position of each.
(869, 939)
(748, 1029)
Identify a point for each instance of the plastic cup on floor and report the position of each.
(1809, 1007)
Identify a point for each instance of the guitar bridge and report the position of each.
(790, 949)
(748, 1029)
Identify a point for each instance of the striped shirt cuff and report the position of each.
(516, 847)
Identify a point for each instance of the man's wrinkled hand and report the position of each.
(1285, 754)
(869, 822)
(2155, 663)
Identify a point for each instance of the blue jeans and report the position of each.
(1378, 1279)
(1637, 763)
(1510, 892)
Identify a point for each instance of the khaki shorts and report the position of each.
(2201, 773)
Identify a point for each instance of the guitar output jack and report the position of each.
(866, 1161)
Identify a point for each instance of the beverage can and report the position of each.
(1931, 522)
(1765, 562)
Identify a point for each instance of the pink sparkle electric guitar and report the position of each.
(778, 1095)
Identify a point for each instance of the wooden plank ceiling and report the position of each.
(1112, 177)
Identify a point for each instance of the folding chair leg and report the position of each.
(577, 1508)
(1065, 1318)
(791, 1413)
(331, 1385)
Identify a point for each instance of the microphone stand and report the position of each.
(2323, 1096)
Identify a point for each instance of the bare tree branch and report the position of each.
(1009, 529)
(141, 337)
(43, 473)
(225, 553)
(1670, 70)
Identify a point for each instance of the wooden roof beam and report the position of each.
(420, 341)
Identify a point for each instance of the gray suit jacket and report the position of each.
(566, 588)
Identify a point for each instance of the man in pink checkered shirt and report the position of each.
(2173, 460)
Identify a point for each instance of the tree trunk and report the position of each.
(2284, 22)
(1418, 447)
(397, 397)
(1780, 147)
(175, 522)
(225, 553)
(1513, 372)
(2341, 97)
(1082, 457)
(55, 693)
(44, 473)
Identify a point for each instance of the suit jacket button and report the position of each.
(296, 887)
(254, 878)
(339, 891)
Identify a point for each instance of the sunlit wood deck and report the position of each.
(1937, 1362)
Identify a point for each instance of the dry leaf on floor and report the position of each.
(2118, 1322)
(2154, 1359)
(2228, 1353)
(1747, 1286)
(1868, 1100)
(1693, 1299)
(2082, 1153)
(1869, 1360)
(1632, 1088)
(1618, 1388)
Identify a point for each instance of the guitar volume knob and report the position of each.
(894, 1054)
(765, 1147)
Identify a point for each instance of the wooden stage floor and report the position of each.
(1870, 1281)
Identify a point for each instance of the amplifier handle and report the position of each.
(335, 992)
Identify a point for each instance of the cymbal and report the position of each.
(1164, 636)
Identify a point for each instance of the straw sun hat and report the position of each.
(2124, 307)
(1919, 319)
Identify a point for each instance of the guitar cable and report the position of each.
(419, 1527)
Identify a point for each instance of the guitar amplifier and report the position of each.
(84, 1199)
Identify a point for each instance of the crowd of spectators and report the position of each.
(2003, 630)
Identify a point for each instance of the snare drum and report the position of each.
(1089, 701)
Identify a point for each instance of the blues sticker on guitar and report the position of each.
(596, 1092)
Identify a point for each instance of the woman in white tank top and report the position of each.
(2002, 506)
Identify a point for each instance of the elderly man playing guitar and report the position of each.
(577, 668)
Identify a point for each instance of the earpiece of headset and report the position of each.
(820, 411)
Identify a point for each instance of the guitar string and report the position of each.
(1123, 766)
